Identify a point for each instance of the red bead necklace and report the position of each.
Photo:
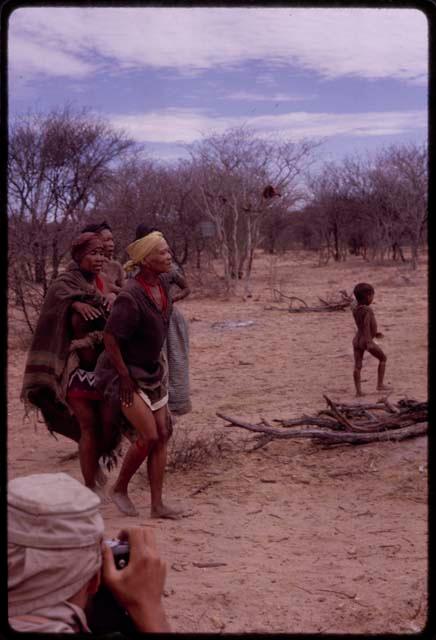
(147, 288)
(99, 283)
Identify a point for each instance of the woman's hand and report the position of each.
(139, 586)
(127, 387)
(87, 311)
(108, 301)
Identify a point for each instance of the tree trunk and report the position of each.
(185, 254)
(414, 263)
(336, 254)
(55, 260)
(40, 274)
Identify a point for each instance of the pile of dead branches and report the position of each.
(346, 423)
(339, 304)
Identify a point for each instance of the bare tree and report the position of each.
(335, 211)
(378, 202)
(231, 172)
(158, 195)
(402, 180)
(55, 164)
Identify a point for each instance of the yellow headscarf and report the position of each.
(142, 248)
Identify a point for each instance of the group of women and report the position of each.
(98, 367)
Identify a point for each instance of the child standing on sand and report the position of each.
(364, 338)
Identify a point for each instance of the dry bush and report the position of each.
(19, 334)
(186, 451)
(207, 281)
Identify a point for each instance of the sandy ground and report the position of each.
(307, 538)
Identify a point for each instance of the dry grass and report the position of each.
(186, 451)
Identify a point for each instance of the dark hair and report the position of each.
(96, 227)
(362, 291)
(143, 230)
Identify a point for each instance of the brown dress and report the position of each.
(140, 328)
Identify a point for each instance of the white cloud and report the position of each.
(265, 97)
(318, 125)
(177, 126)
(30, 56)
(372, 43)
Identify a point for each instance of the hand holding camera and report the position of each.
(138, 586)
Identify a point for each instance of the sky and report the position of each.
(355, 78)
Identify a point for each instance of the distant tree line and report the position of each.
(234, 193)
(372, 207)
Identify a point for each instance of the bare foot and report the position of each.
(123, 502)
(384, 387)
(100, 477)
(165, 512)
(101, 493)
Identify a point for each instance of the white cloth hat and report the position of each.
(54, 540)
(52, 511)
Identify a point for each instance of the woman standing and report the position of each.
(59, 374)
(177, 343)
(112, 273)
(132, 373)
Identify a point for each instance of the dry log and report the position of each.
(331, 437)
(406, 420)
(342, 419)
(340, 306)
(326, 305)
(357, 407)
(406, 404)
(309, 420)
(291, 298)
(262, 441)
(391, 421)
(389, 406)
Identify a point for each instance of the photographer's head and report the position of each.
(55, 532)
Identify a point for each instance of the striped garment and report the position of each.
(177, 347)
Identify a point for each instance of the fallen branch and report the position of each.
(327, 305)
(310, 420)
(340, 593)
(408, 420)
(339, 306)
(340, 418)
(203, 487)
(291, 298)
(394, 435)
(262, 441)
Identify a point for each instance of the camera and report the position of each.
(121, 552)
(104, 614)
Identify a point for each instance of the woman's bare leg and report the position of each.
(156, 464)
(133, 459)
(107, 437)
(141, 417)
(88, 449)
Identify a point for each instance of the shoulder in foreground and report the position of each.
(129, 287)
